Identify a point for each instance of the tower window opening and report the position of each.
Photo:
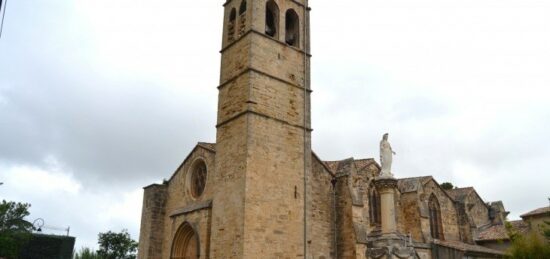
(231, 25)
(242, 18)
(292, 27)
(242, 9)
(271, 19)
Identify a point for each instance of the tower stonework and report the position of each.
(263, 149)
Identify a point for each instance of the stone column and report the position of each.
(386, 188)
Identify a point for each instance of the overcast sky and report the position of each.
(100, 98)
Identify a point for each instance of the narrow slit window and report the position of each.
(292, 27)
(271, 19)
(231, 25)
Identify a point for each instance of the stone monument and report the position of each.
(389, 243)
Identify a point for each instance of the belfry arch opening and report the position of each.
(242, 18)
(186, 243)
(292, 28)
(231, 25)
(272, 19)
(242, 8)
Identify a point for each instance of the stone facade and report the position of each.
(260, 191)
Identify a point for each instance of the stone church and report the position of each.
(261, 192)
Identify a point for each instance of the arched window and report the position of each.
(185, 244)
(292, 27)
(374, 207)
(242, 18)
(272, 19)
(436, 228)
(231, 25)
(197, 179)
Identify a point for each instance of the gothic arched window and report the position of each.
(242, 18)
(436, 228)
(374, 207)
(272, 19)
(231, 25)
(292, 27)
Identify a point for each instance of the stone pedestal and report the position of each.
(386, 187)
(389, 243)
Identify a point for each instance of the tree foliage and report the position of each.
(529, 247)
(447, 186)
(546, 230)
(117, 245)
(15, 231)
(86, 253)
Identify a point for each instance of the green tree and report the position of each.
(529, 247)
(86, 253)
(546, 230)
(117, 245)
(447, 186)
(15, 232)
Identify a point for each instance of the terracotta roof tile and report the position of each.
(520, 226)
(494, 232)
(468, 247)
(499, 232)
(539, 211)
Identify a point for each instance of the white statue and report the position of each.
(386, 154)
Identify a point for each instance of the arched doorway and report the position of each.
(186, 243)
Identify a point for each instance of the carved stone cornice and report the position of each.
(383, 183)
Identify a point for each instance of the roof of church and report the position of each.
(211, 146)
(344, 166)
(467, 247)
(340, 167)
(499, 232)
(459, 194)
(412, 184)
(538, 211)
(362, 163)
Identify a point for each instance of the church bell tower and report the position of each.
(263, 147)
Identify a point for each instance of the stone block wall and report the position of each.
(152, 216)
(344, 215)
(321, 213)
(409, 216)
(477, 210)
(178, 198)
(448, 211)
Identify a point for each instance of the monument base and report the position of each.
(390, 246)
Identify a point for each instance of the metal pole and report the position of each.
(3, 15)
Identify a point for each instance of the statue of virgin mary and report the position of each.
(386, 156)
